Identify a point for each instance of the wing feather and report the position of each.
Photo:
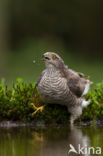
(76, 82)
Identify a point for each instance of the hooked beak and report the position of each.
(45, 57)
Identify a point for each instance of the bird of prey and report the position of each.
(58, 84)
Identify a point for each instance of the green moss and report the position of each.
(53, 114)
(95, 109)
(16, 105)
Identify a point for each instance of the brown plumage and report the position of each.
(58, 84)
(75, 81)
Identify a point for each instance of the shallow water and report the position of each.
(49, 141)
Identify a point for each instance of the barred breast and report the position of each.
(54, 89)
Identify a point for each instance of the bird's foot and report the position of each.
(37, 109)
(71, 121)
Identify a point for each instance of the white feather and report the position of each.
(85, 103)
(87, 86)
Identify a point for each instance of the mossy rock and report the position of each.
(53, 114)
(16, 105)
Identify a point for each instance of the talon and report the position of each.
(34, 105)
(38, 109)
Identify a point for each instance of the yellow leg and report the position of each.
(38, 108)
(33, 105)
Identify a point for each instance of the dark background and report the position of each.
(73, 29)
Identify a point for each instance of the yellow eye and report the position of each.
(53, 57)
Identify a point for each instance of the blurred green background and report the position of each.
(73, 29)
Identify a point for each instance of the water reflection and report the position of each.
(57, 141)
(50, 141)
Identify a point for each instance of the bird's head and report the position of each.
(52, 59)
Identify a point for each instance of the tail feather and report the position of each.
(85, 103)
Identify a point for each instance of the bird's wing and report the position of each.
(40, 77)
(76, 82)
(83, 76)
